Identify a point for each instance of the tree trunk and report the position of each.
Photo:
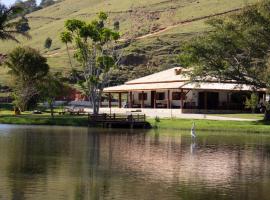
(51, 109)
(69, 56)
(95, 103)
(267, 115)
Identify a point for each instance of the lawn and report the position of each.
(212, 125)
(256, 116)
(7, 117)
(28, 118)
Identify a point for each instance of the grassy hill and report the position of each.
(159, 27)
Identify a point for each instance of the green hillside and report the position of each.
(158, 27)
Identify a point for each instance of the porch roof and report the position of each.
(140, 87)
(180, 85)
(175, 79)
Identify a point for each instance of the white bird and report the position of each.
(192, 132)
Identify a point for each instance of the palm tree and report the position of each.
(10, 26)
(66, 38)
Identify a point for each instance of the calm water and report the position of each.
(80, 163)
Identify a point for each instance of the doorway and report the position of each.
(208, 100)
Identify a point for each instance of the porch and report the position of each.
(180, 100)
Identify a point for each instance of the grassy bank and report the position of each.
(44, 119)
(211, 125)
(27, 118)
(172, 124)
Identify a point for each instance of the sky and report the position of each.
(9, 2)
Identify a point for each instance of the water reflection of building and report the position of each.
(70, 163)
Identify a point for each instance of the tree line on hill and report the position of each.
(29, 6)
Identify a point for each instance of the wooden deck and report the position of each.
(118, 120)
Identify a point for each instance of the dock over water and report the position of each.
(118, 120)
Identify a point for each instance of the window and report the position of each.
(160, 96)
(142, 96)
(176, 96)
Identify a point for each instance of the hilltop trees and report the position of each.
(10, 29)
(95, 50)
(237, 48)
(27, 68)
(27, 6)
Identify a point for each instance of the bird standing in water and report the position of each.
(192, 132)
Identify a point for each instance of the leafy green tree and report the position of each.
(27, 68)
(10, 29)
(95, 50)
(252, 102)
(48, 43)
(50, 88)
(237, 48)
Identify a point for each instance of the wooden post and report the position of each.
(168, 99)
(142, 99)
(205, 100)
(130, 100)
(120, 100)
(155, 100)
(182, 99)
(110, 100)
(228, 101)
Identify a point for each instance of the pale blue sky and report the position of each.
(8, 2)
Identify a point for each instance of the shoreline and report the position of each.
(170, 124)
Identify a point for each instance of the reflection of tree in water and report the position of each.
(30, 155)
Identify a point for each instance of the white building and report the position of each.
(172, 89)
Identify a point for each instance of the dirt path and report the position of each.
(184, 22)
(187, 22)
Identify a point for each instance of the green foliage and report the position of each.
(252, 102)
(27, 68)
(50, 88)
(95, 51)
(10, 28)
(26, 64)
(66, 37)
(27, 6)
(236, 48)
(48, 43)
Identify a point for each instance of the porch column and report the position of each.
(155, 100)
(182, 99)
(264, 97)
(228, 101)
(130, 100)
(110, 100)
(205, 100)
(120, 100)
(168, 99)
(142, 99)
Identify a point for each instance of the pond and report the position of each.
(39, 162)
